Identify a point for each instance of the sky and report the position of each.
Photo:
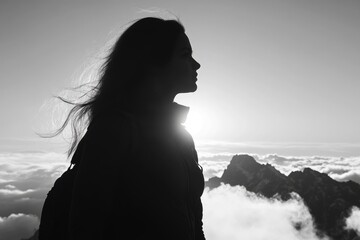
(272, 72)
(279, 79)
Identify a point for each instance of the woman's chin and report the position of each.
(190, 88)
(187, 88)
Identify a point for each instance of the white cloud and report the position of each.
(232, 213)
(18, 226)
(14, 192)
(25, 178)
(284, 149)
(213, 168)
(17, 167)
(353, 221)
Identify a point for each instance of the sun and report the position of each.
(196, 124)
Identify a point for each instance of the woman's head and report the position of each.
(148, 41)
(139, 57)
(179, 74)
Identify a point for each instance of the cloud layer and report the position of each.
(233, 213)
(229, 213)
(18, 226)
(25, 179)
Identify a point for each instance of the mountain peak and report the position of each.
(240, 170)
(245, 162)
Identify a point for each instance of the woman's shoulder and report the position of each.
(119, 123)
(111, 129)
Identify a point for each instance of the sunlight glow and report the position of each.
(197, 124)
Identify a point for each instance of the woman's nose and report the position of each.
(196, 64)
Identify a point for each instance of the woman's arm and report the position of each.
(199, 178)
(199, 233)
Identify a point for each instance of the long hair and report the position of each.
(148, 42)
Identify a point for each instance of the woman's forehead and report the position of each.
(183, 42)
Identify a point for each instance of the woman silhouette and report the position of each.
(138, 175)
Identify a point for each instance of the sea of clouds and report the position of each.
(229, 212)
(25, 179)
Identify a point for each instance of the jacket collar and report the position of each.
(179, 112)
(172, 113)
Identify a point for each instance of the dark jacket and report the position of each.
(138, 178)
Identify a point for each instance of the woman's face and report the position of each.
(180, 75)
